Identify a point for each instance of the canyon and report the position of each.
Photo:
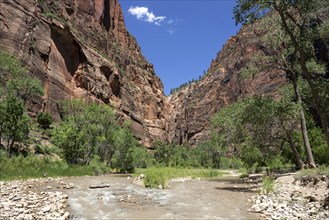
(82, 49)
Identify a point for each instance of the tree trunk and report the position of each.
(306, 73)
(10, 145)
(306, 141)
(299, 161)
(316, 97)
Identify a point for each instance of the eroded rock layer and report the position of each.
(82, 49)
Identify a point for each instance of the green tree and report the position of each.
(142, 158)
(16, 87)
(86, 130)
(274, 122)
(14, 123)
(300, 21)
(279, 51)
(211, 153)
(259, 125)
(163, 153)
(89, 130)
(15, 80)
(124, 143)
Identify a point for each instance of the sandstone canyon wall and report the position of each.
(193, 106)
(82, 49)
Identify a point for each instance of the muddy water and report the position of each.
(194, 199)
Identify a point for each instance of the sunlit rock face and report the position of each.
(192, 107)
(81, 49)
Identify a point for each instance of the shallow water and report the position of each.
(194, 199)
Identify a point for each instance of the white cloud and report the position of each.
(143, 13)
(170, 21)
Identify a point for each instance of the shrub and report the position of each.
(40, 149)
(44, 120)
(98, 167)
(155, 179)
(156, 176)
(87, 130)
(142, 158)
(268, 185)
(319, 146)
(231, 163)
(276, 163)
(251, 156)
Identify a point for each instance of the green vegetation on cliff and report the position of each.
(15, 88)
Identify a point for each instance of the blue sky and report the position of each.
(179, 37)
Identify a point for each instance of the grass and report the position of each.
(158, 177)
(319, 171)
(49, 14)
(34, 167)
(268, 185)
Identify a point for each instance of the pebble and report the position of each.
(19, 205)
(46, 209)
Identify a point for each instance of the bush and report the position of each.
(251, 156)
(155, 179)
(40, 149)
(142, 158)
(276, 163)
(319, 146)
(231, 163)
(267, 186)
(158, 177)
(98, 167)
(87, 130)
(44, 120)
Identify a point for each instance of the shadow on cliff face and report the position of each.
(115, 86)
(68, 48)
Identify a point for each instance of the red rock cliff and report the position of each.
(82, 49)
(192, 107)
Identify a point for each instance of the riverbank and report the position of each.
(295, 197)
(24, 199)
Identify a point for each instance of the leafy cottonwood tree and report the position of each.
(125, 145)
(89, 130)
(299, 19)
(15, 80)
(278, 49)
(14, 123)
(258, 127)
(86, 130)
(15, 88)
